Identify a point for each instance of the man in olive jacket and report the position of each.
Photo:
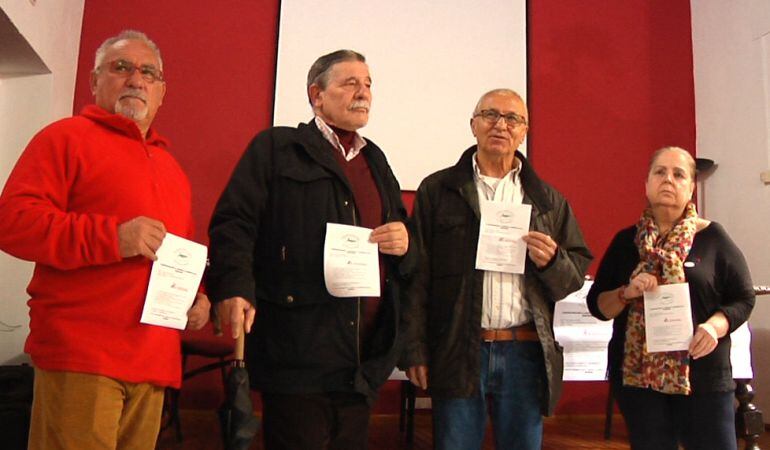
(317, 359)
(476, 333)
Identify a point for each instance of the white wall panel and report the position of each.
(732, 106)
(52, 29)
(430, 61)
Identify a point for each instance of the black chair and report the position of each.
(207, 346)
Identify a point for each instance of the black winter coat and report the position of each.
(266, 245)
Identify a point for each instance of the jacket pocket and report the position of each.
(303, 202)
(449, 246)
(304, 174)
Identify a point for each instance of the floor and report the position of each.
(201, 432)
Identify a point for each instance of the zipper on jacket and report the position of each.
(283, 253)
(358, 299)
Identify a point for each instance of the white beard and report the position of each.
(131, 112)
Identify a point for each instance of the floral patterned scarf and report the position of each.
(662, 256)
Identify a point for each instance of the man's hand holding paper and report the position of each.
(174, 281)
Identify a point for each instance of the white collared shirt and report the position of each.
(503, 293)
(329, 135)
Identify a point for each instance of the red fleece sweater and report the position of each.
(75, 182)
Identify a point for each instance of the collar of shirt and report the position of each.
(488, 185)
(328, 134)
(123, 125)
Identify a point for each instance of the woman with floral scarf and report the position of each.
(686, 397)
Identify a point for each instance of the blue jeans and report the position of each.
(512, 377)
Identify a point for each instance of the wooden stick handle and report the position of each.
(239, 344)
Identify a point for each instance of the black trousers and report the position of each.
(656, 421)
(325, 421)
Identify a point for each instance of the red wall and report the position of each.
(219, 63)
(609, 82)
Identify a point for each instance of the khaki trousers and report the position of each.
(78, 411)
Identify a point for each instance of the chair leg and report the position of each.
(411, 393)
(749, 424)
(610, 409)
(176, 420)
(402, 407)
(171, 407)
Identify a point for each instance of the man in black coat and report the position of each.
(317, 359)
(477, 333)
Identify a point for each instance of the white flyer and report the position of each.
(351, 262)
(668, 318)
(174, 281)
(501, 247)
(583, 337)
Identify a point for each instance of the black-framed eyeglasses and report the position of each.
(125, 69)
(493, 115)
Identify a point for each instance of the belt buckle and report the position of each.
(495, 335)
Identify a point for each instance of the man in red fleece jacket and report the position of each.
(90, 201)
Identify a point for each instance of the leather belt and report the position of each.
(526, 332)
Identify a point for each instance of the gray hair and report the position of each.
(687, 156)
(499, 91)
(126, 35)
(319, 71)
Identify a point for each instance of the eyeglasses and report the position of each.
(126, 69)
(492, 116)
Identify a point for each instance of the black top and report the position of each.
(719, 281)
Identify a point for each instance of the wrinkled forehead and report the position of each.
(673, 158)
(349, 69)
(504, 103)
(133, 51)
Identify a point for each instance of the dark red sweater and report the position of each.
(369, 207)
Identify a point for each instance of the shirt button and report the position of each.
(352, 323)
(289, 299)
(347, 203)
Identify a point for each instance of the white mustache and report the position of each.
(359, 104)
(136, 93)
